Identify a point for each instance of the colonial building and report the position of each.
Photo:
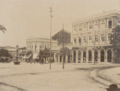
(91, 38)
(37, 44)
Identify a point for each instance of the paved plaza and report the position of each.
(75, 77)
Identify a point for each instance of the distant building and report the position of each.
(11, 50)
(37, 44)
(62, 35)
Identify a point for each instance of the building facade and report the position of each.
(37, 44)
(91, 38)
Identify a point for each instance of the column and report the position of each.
(105, 22)
(86, 56)
(58, 59)
(76, 56)
(81, 56)
(72, 57)
(105, 56)
(99, 24)
(93, 56)
(98, 56)
(66, 59)
(112, 56)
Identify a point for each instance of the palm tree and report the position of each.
(2, 28)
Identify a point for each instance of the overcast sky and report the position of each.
(31, 18)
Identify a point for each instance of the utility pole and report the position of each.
(63, 46)
(50, 32)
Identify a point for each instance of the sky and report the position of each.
(24, 19)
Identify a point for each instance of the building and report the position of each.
(37, 44)
(91, 38)
(62, 35)
(11, 50)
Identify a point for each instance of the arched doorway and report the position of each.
(84, 56)
(109, 55)
(79, 56)
(74, 56)
(102, 55)
(90, 55)
(95, 55)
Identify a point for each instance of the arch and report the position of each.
(79, 56)
(74, 56)
(102, 55)
(95, 55)
(90, 55)
(84, 56)
(109, 55)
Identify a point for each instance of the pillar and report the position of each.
(105, 56)
(66, 59)
(112, 56)
(81, 56)
(72, 57)
(98, 56)
(93, 53)
(76, 56)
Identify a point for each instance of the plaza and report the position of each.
(37, 77)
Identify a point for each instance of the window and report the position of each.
(80, 28)
(84, 39)
(90, 26)
(74, 40)
(109, 35)
(109, 24)
(96, 23)
(79, 40)
(102, 37)
(96, 38)
(90, 37)
(75, 29)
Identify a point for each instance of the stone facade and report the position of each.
(91, 38)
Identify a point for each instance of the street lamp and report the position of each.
(17, 52)
(50, 32)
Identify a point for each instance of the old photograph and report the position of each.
(59, 45)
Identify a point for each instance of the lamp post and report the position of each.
(17, 52)
(50, 32)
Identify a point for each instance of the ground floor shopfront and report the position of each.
(89, 55)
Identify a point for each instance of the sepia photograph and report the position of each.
(59, 45)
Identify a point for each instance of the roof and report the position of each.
(98, 16)
(62, 30)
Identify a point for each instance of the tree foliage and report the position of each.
(115, 37)
(64, 51)
(45, 53)
(2, 28)
(5, 53)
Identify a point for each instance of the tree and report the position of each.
(4, 55)
(29, 53)
(43, 54)
(2, 28)
(115, 41)
(63, 52)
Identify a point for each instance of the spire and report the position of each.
(63, 26)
